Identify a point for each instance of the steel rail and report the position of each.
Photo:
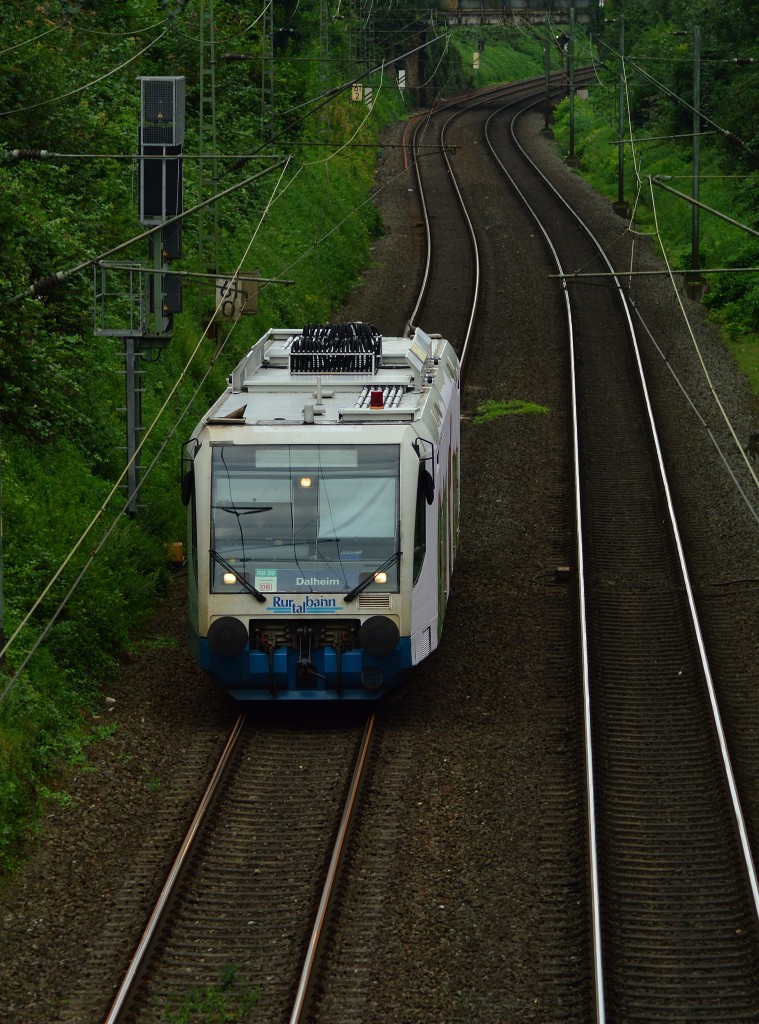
(429, 250)
(416, 145)
(682, 561)
(519, 92)
(428, 238)
(131, 978)
(684, 573)
(472, 241)
(308, 971)
(595, 899)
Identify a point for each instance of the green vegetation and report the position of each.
(506, 53)
(68, 78)
(62, 388)
(659, 41)
(224, 1003)
(494, 410)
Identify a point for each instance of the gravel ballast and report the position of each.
(485, 911)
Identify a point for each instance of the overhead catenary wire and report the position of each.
(116, 486)
(699, 353)
(119, 35)
(746, 498)
(235, 35)
(671, 273)
(45, 284)
(326, 97)
(366, 117)
(8, 155)
(32, 291)
(276, 196)
(724, 132)
(101, 511)
(32, 39)
(70, 24)
(87, 85)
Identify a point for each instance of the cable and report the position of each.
(43, 286)
(699, 353)
(754, 512)
(237, 35)
(114, 490)
(633, 151)
(88, 85)
(424, 84)
(123, 474)
(368, 114)
(324, 98)
(10, 155)
(148, 431)
(726, 133)
(347, 217)
(120, 35)
(639, 181)
(33, 39)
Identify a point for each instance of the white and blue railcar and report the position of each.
(323, 493)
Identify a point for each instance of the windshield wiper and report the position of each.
(353, 594)
(246, 584)
(244, 510)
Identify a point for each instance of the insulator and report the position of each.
(46, 284)
(26, 154)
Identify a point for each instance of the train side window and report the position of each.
(193, 537)
(420, 522)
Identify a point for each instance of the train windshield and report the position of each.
(304, 518)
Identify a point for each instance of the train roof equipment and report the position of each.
(337, 373)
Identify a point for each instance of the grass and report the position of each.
(491, 409)
(318, 233)
(55, 478)
(223, 1003)
(732, 299)
(509, 53)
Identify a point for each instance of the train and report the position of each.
(323, 494)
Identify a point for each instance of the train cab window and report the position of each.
(306, 518)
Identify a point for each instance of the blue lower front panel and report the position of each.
(252, 675)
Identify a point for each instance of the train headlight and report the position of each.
(229, 578)
(380, 577)
(227, 636)
(379, 636)
(305, 481)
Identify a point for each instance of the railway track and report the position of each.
(247, 898)
(394, 945)
(447, 302)
(674, 889)
(210, 904)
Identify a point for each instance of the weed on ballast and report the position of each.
(493, 410)
(224, 1003)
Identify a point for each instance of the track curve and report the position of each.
(676, 899)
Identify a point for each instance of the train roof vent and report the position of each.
(336, 348)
